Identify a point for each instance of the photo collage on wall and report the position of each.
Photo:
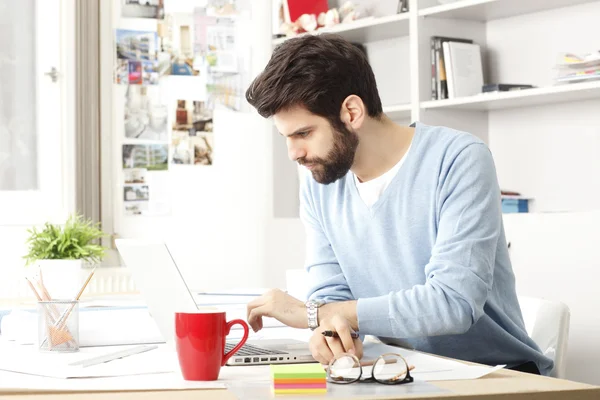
(145, 114)
(160, 126)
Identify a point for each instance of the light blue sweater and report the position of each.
(428, 262)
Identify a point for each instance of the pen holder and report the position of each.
(58, 325)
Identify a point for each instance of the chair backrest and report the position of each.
(547, 323)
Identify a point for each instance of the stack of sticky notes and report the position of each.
(299, 378)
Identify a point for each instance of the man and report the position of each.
(405, 239)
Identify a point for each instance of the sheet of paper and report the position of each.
(28, 360)
(427, 367)
(11, 382)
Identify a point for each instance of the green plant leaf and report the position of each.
(77, 239)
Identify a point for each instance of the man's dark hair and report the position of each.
(318, 72)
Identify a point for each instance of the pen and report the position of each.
(353, 335)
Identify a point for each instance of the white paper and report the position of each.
(427, 367)
(20, 383)
(28, 360)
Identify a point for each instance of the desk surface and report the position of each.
(502, 384)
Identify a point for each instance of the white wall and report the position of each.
(12, 250)
(555, 256)
(551, 153)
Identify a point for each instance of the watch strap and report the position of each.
(312, 313)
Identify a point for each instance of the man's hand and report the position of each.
(324, 349)
(279, 305)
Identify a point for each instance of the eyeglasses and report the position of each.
(389, 369)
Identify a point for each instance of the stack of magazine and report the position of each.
(578, 67)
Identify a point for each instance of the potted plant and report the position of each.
(61, 252)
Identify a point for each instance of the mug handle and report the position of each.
(231, 352)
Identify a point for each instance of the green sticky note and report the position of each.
(310, 370)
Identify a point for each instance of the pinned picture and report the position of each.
(134, 175)
(135, 72)
(136, 45)
(223, 8)
(145, 115)
(136, 193)
(153, 157)
(181, 148)
(135, 207)
(150, 72)
(143, 9)
(193, 116)
(203, 148)
(192, 150)
(122, 72)
(177, 42)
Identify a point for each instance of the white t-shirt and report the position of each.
(370, 191)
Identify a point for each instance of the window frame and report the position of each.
(54, 198)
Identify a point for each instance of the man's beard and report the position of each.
(339, 160)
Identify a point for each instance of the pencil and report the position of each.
(334, 334)
(62, 320)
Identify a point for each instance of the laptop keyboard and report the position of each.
(251, 350)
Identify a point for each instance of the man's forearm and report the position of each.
(346, 309)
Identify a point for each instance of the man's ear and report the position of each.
(353, 112)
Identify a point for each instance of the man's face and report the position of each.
(315, 144)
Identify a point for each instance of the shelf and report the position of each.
(398, 111)
(367, 29)
(523, 98)
(487, 10)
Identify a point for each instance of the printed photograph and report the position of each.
(145, 115)
(135, 72)
(135, 207)
(176, 35)
(136, 45)
(203, 148)
(181, 148)
(223, 8)
(136, 193)
(153, 157)
(143, 9)
(192, 116)
(150, 72)
(134, 175)
(122, 72)
(192, 150)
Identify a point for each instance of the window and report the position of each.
(35, 151)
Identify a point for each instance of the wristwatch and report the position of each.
(311, 311)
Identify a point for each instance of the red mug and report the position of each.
(200, 343)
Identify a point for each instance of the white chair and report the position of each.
(547, 323)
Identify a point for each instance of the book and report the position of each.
(465, 69)
(504, 87)
(439, 85)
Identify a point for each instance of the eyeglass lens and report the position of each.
(344, 369)
(390, 368)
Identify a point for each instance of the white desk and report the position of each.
(503, 384)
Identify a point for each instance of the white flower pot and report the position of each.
(62, 278)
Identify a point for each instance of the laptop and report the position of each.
(161, 283)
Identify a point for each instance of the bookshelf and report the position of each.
(488, 10)
(369, 29)
(524, 98)
(520, 40)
